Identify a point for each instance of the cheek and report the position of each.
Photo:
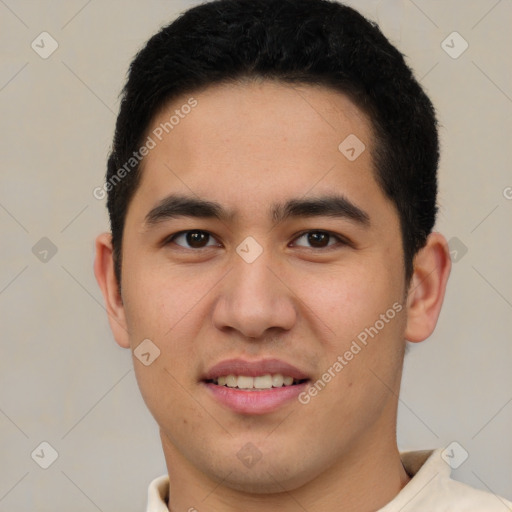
(166, 395)
(347, 300)
(363, 311)
(156, 299)
(166, 307)
(161, 308)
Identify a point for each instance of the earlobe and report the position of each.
(432, 265)
(105, 275)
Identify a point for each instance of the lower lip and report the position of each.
(257, 401)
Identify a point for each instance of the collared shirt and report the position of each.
(430, 490)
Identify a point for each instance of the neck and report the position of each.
(364, 479)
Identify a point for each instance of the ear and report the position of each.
(432, 265)
(105, 275)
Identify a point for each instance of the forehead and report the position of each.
(249, 113)
(253, 144)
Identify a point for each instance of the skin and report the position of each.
(246, 147)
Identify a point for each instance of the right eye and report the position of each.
(196, 239)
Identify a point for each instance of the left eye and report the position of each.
(319, 239)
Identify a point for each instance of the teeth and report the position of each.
(266, 381)
(277, 380)
(231, 381)
(245, 382)
(288, 381)
(263, 382)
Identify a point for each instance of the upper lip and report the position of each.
(254, 369)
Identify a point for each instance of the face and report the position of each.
(292, 270)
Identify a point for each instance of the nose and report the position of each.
(255, 299)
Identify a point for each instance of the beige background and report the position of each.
(63, 380)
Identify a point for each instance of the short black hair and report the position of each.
(318, 42)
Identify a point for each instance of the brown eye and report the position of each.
(318, 239)
(193, 239)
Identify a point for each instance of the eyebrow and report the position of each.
(333, 205)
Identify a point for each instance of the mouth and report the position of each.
(254, 387)
(258, 383)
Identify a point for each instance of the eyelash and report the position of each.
(340, 240)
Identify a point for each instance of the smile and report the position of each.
(259, 382)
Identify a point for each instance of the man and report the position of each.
(272, 194)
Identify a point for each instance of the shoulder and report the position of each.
(432, 488)
(467, 499)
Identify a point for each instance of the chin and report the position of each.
(264, 477)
